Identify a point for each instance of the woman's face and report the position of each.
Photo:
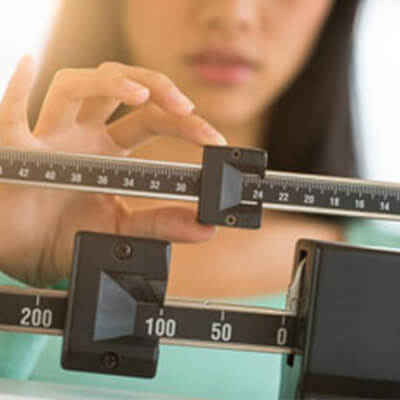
(233, 58)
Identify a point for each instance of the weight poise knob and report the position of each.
(222, 179)
(112, 277)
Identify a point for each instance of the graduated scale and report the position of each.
(115, 313)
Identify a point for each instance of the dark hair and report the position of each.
(311, 127)
(312, 122)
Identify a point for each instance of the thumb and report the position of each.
(173, 224)
(14, 127)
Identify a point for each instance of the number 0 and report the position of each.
(281, 336)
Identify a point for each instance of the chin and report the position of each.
(229, 111)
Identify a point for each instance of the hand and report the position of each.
(37, 226)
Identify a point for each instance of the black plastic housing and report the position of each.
(222, 178)
(111, 276)
(349, 326)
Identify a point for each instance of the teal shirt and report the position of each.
(183, 371)
(201, 373)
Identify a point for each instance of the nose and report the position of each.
(229, 16)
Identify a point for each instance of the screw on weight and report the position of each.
(231, 220)
(236, 154)
(123, 250)
(110, 361)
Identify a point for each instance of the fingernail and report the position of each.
(138, 91)
(177, 97)
(24, 61)
(142, 94)
(221, 140)
(217, 137)
(209, 231)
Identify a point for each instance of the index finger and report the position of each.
(163, 90)
(138, 126)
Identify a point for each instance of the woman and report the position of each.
(263, 74)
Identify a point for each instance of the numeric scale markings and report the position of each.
(130, 177)
(179, 322)
(183, 322)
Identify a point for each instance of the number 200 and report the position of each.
(36, 317)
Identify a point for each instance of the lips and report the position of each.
(222, 67)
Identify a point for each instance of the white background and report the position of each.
(378, 83)
(23, 28)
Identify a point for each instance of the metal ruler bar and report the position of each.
(179, 322)
(175, 181)
(32, 310)
(318, 194)
(99, 174)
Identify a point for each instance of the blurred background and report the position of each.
(25, 26)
